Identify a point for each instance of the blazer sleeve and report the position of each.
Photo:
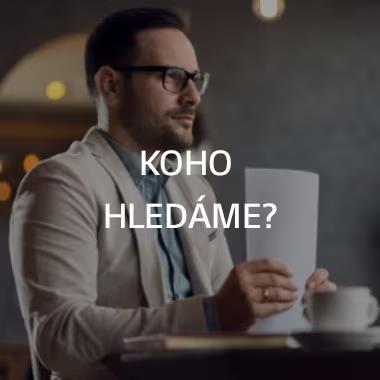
(54, 255)
(222, 261)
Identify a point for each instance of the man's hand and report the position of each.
(319, 281)
(253, 290)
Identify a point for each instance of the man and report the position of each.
(83, 287)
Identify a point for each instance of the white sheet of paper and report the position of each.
(292, 238)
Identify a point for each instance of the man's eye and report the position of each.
(176, 74)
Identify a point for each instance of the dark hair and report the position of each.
(113, 39)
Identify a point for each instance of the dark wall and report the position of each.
(302, 93)
(299, 93)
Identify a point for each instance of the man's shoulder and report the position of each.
(76, 165)
(75, 159)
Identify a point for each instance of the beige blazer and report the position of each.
(83, 288)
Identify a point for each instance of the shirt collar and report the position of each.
(132, 162)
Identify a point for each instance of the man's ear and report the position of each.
(108, 84)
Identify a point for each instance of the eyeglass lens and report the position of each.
(175, 80)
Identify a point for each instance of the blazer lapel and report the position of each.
(194, 241)
(147, 246)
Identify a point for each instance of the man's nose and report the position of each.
(190, 94)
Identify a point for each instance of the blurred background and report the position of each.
(294, 84)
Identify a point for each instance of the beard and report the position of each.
(178, 138)
(171, 134)
(178, 133)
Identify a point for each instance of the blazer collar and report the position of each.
(151, 274)
(194, 241)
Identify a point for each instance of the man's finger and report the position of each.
(328, 286)
(265, 280)
(265, 295)
(319, 276)
(268, 265)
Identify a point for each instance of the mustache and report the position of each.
(182, 111)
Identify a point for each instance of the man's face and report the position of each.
(154, 117)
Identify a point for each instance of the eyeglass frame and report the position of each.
(163, 69)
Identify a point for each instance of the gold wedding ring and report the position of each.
(266, 295)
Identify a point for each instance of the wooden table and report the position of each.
(246, 364)
(14, 362)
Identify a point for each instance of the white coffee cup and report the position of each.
(351, 308)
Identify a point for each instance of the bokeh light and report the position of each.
(268, 10)
(30, 161)
(5, 191)
(55, 90)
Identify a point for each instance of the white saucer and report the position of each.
(368, 339)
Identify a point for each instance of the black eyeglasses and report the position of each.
(174, 79)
